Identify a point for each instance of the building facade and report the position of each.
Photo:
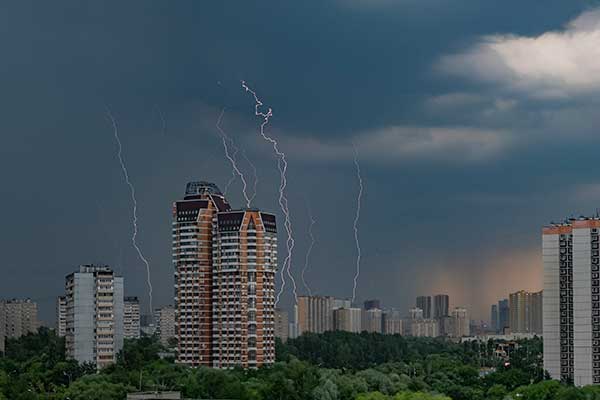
(245, 262)
(441, 306)
(282, 322)
(494, 318)
(460, 322)
(503, 315)
(315, 314)
(164, 320)
(61, 316)
(571, 300)
(372, 320)
(94, 317)
(525, 313)
(348, 319)
(392, 322)
(424, 303)
(20, 317)
(131, 318)
(225, 263)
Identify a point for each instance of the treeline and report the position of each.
(372, 367)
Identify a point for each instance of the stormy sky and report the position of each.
(476, 123)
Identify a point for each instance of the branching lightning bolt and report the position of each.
(226, 139)
(310, 247)
(283, 201)
(356, 219)
(254, 173)
(134, 201)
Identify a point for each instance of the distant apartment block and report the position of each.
(164, 319)
(503, 316)
(494, 318)
(372, 320)
(441, 306)
(20, 317)
(281, 324)
(131, 318)
(315, 314)
(460, 322)
(94, 316)
(348, 319)
(392, 322)
(525, 312)
(61, 316)
(424, 328)
(424, 303)
(415, 313)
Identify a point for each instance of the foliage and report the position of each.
(332, 366)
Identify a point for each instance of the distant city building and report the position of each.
(164, 319)
(147, 325)
(225, 263)
(342, 303)
(20, 317)
(415, 313)
(315, 314)
(392, 322)
(281, 324)
(571, 300)
(460, 322)
(441, 305)
(424, 328)
(131, 318)
(446, 326)
(94, 323)
(494, 318)
(348, 319)
(370, 304)
(424, 303)
(503, 315)
(525, 312)
(372, 321)
(61, 316)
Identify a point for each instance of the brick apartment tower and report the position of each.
(225, 263)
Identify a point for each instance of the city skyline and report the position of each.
(460, 156)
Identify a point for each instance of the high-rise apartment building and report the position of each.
(494, 318)
(424, 303)
(20, 317)
(164, 320)
(131, 318)
(424, 328)
(503, 315)
(392, 322)
(315, 314)
(372, 320)
(571, 300)
(415, 313)
(281, 324)
(94, 320)
(460, 322)
(348, 319)
(525, 312)
(61, 316)
(225, 263)
(441, 306)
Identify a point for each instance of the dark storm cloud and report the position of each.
(451, 163)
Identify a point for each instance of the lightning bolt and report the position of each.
(134, 201)
(225, 138)
(254, 173)
(162, 119)
(310, 247)
(356, 219)
(283, 201)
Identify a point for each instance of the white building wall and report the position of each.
(551, 305)
(84, 312)
(119, 311)
(582, 307)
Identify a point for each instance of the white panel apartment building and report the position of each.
(571, 301)
(94, 315)
(131, 318)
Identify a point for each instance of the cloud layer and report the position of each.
(554, 64)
